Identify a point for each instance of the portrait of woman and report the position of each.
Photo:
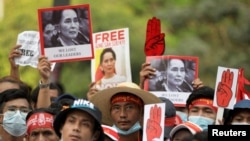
(173, 75)
(67, 24)
(107, 77)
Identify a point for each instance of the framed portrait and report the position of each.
(66, 33)
(174, 76)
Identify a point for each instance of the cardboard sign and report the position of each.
(225, 87)
(66, 33)
(112, 58)
(154, 118)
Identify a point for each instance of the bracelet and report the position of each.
(41, 85)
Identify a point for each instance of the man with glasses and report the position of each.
(14, 107)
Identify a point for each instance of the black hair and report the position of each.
(202, 92)
(12, 94)
(105, 51)
(57, 15)
(22, 85)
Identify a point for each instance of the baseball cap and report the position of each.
(65, 96)
(79, 104)
(245, 103)
(193, 128)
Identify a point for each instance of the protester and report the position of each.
(200, 107)
(40, 125)
(122, 108)
(184, 130)
(15, 104)
(81, 121)
(240, 114)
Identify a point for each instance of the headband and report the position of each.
(126, 98)
(40, 120)
(170, 121)
(203, 101)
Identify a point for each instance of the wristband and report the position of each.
(41, 85)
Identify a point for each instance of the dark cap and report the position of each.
(170, 114)
(82, 105)
(243, 104)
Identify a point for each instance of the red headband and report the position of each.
(126, 98)
(170, 121)
(203, 101)
(40, 120)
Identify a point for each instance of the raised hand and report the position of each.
(224, 89)
(154, 129)
(147, 71)
(14, 68)
(155, 43)
(44, 68)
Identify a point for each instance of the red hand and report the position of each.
(155, 43)
(154, 129)
(224, 91)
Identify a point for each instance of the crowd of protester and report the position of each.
(46, 112)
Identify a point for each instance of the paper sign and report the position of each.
(66, 33)
(111, 64)
(174, 76)
(225, 87)
(154, 118)
(30, 48)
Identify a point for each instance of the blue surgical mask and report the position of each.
(182, 115)
(240, 123)
(203, 122)
(133, 129)
(14, 123)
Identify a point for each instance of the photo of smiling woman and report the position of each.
(106, 74)
(67, 25)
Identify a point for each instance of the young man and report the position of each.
(15, 105)
(240, 114)
(40, 125)
(81, 122)
(200, 107)
(122, 108)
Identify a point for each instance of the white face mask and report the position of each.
(240, 123)
(14, 123)
(203, 122)
(133, 129)
(182, 115)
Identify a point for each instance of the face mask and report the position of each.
(182, 115)
(133, 129)
(203, 122)
(14, 123)
(240, 123)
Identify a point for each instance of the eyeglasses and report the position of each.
(14, 109)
